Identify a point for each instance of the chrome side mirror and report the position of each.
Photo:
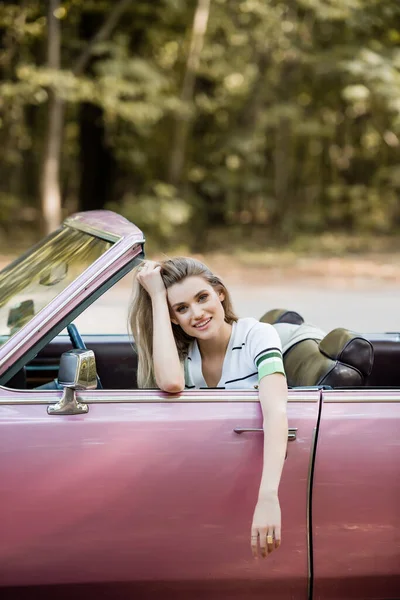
(77, 371)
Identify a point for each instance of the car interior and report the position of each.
(342, 359)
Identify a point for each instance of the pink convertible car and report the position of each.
(108, 491)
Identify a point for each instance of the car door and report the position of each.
(356, 496)
(149, 493)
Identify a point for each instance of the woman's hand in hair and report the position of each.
(149, 276)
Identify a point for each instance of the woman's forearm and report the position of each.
(266, 525)
(168, 370)
(275, 443)
(273, 400)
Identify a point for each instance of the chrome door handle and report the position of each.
(292, 431)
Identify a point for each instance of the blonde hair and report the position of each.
(173, 270)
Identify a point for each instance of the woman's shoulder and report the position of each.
(249, 325)
(254, 333)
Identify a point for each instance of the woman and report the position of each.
(188, 336)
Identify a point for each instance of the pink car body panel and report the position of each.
(356, 496)
(165, 487)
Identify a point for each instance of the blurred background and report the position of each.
(261, 135)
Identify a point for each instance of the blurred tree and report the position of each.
(267, 119)
(51, 193)
(186, 96)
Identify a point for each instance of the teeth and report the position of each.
(203, 323)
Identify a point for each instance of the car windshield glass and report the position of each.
(32, 281)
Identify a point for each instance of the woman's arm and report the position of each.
(168, 370)
(267, 514)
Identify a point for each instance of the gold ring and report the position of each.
(270, 539)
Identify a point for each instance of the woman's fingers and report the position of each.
(266, 527)
(263, 543)
(146, 271)
(149, 276)
(277, 537)
(147, 266)
(254, 542)
(270, 540)
(265, 540)
(259, 542)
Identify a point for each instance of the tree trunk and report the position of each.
(102, 35)
(96, 160)
(182, 123)
(50, 184)
(283, 165)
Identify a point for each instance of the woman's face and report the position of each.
(196, 306)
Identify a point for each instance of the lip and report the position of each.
(203, 327)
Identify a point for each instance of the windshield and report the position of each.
(32, 281)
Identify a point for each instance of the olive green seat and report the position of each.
(341, 358)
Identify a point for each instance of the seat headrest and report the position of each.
(282, 315)
(349, 348)
(341, 359)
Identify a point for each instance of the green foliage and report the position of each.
(294, 123)
(158, 210)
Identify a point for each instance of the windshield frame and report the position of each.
(118, 260)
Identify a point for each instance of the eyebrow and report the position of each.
(195, 296)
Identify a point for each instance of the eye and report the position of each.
(203, 297)
(180, 309)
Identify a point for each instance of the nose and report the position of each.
(197, 312)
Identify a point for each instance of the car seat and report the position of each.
(342, 358)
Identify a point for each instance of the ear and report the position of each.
(221, 296)
(174, 321)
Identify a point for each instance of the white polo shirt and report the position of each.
(254, 351)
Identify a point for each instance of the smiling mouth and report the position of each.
(202, 324)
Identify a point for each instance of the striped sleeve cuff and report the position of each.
(269, 363)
